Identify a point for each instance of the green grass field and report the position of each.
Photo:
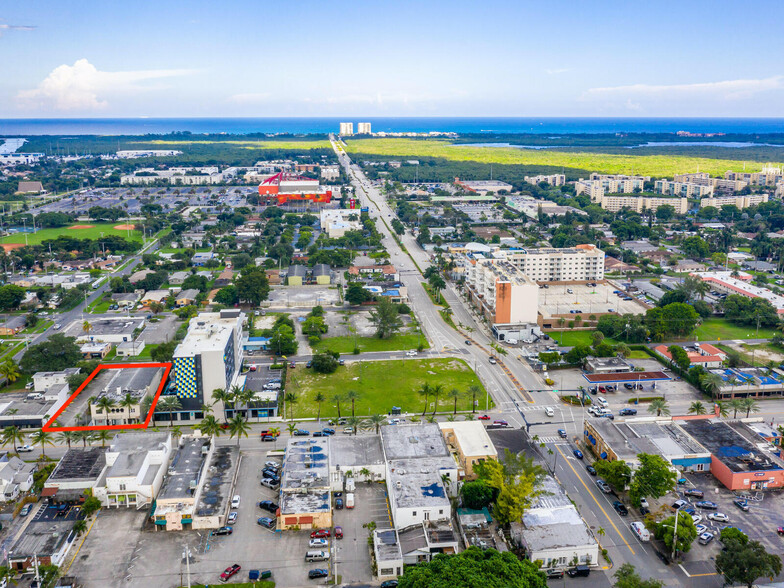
(345, 344)
(383, 384)
(718, 329)
(94, 232)
(637, 354)
(612, 163)
(572, 338)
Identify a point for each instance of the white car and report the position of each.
(696, 518)
(639, 529)
(235, 502)
(232, 517)
(549, 411)
(602, 402)
(411, 353)
(719, 517)
(24, 449)
(317, 543)
(701, 529)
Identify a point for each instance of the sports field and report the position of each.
(80, 231)
(611, 163)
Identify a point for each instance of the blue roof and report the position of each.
(258, 339)
(391, 293)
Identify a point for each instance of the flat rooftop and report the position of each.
(26, 408)
(729, 443)
(134, 381)
(41, 538)
(471, 436)
(186, 467)
(306, 464)
(302, 502)
(352, 451)
(218, 478)
(79, 464)
(420, 440)
(629, 438)
(387, 546)
(417, 482)
(207, 332)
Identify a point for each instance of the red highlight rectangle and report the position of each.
(51, 429)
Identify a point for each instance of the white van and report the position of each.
(639, 529)
(350, 500)
(548, 410)
(317, 556)
(602, 402)
(350, 485)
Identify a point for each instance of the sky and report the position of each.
(260, 58)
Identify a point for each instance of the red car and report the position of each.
(320, 534)
(602, 389)
(229, 572)
(484, 417)
(338, 532)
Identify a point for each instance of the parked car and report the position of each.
(320, 534)
(501, 423)
(272, 464)
(554, 574)
(590, 469)
(628, 386)
(719, 517)
(639, 529)
(301, 433)
(25, 510)
(338, 532)
(741, 504)
(270, 473)
(235, 501)
(328, 431)
(318, 543)
(268, 438)
(644, 503)
(694, 492)
(293, 364)
(578, 454)
(627, 412)
(320, 434)
(232, 517)
(271, 484)
(339, 503)
(229, 572)
(266, 522)
(678, 504)
(389, 584)
(620, 508)
(268, 505)
(318, 573)
(578, 571)
(705, 538)
(223, 531)
(707, 505)
(602, 402)
(696, 518)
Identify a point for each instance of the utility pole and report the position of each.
(675, 535)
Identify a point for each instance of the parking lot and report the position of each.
(556, 300)
(306, 296)
(160, 331)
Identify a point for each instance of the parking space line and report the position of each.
(566, 461)
(90, 528)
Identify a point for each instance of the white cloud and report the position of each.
(8, 27)
(82, 86)
(728, 90)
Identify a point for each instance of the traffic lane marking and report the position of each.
(566, 461)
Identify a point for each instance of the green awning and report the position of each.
(186, 521)
(162, 522)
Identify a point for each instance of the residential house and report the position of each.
(186, 297)
(16, 476)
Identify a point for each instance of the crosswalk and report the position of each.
(525, 407)
(551, 440)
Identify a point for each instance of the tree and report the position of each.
(223, 396)
(697, 407)
(319, 398)
(616, 473)
(376, 420)
(291, 399)
(712, 383)
(209, 426)
(227, 296)
(664, 213)
(659, 407)
(324, 363)
(356, 294)
(597, 337)
(238, 427)
(386, 318)
(103, 436)
(105, 404)
(549, 357)
(665, 531)
(743, 563)
(79, 527)
(578, 353)
(283, 340)
(623, 350)
(476, 494)
(11, 296)
(42, 438)
(436, 392)
(735, 405)
(653, 478)
(252, 286)
(425, 392)
(749, 405)
(55, 354)
(473, 390)
(67, 437)
(336, 398)
(128, 403)
(9, 370)
(627, 577)
(455, 395)
(170, 404)
(352, 396)
(474, 567)
(679, 356)
(90, 506)
(163, 352)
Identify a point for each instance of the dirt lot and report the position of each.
(339, 323)
(303, 296)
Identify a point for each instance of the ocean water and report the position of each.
(241, 126)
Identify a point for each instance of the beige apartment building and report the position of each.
(616, 202)
(599, 185)
(363, 128)
(503, 293)
(704, 179)
(583, 263)
(768, 176)
(553, 180)
(346, 128)
(682, 189)
(738, 201)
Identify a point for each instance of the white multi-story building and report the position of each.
(553, 180)
(616, 202)
(704, 179)
(682, 189)
(584, 263)
(209, 357)
(330, 172)
(336, 221)
(346, 128)
(503, 293)
(739, 201)
(363, 128)
(180, 176)
(768, 176)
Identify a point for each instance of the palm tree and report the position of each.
(238, 426)
(376, 420)
(68, 437)
(291, 427)
(291, 399)
(473, 390)
(86, 327)
(84, 437)
(319, 398)
(103, 436)
(176, 432)
(10, 370)
(274, 431)
(447, 482)
(723, 409)
(354, 423)
(749, 405)
(712, 383)
(105, 404)
(42, 438)
(171, 404)
(127, 403)
(220, 395)
(12, 435)
(735, 404)
(336, 398)
(454, 394)
(424, 392)
(79, 527)
(436, 390)
(659, 407)
(352, 395)
(365, 473)
(430, 418)
(209, 426)
(470, 417)
(697, 408)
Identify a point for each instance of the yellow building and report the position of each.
(469, 443)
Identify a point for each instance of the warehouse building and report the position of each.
(305, 487)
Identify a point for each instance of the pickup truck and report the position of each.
(270, 433)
